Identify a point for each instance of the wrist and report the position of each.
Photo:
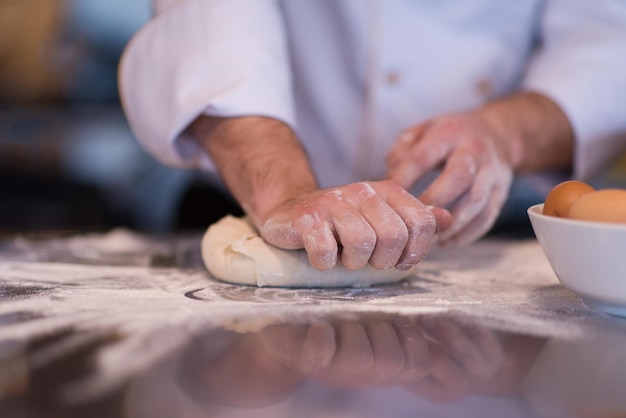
(501, 123)
(260, 160)
(272, 199)
(532, 131)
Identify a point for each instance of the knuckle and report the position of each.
(393, 237)
(364, 243)
(319, 241)
(306, 220)
(421, 233)
(380, 264)
(323, 247)
(361, 189)
(448, 124)
(355, 233)
(356, 253)
(478, 198)
(325, 258)
(464, 167)
(331, 197)
(391, 186)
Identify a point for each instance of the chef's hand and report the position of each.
(266, 169)
(376, 223)
(478, 152)
(476, 172)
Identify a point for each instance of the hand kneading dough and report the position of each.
(234, 252)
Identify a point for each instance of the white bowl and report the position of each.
(588, 258)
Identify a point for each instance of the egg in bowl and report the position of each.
(587, 256)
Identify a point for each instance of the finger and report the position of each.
(447, 374)
(476, 228)
(442, 217)
(421, 223)
(446, 381)
(354, 356)
(388, 352)
(319, 241)
(425, 155)
(391, 232)
(460, 347)
(300, 348)
(355, 234)
(456, 178)
(491, 348)
(283, 342)
(482, 222)
(416, 357)
(318, 349)
(403, 144)
(471, 205)
(352, 230)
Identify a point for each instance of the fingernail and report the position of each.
(404, 267)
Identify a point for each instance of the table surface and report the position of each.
(122, 324)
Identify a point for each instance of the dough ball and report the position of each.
(233, 251)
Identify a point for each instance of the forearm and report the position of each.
(259, 159)
(533, 131)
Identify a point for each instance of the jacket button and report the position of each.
(392, 78)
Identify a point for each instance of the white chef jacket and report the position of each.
(349, 75)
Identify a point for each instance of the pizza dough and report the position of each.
(233, 251)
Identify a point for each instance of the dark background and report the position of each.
(68, 160)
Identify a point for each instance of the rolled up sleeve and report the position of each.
(219, 57)
(581, 65)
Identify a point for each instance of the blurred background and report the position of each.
(68, 160)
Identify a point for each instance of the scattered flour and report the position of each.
(148, 313)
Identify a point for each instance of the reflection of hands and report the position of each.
(372, 222)
(434, 358)
(350, 353)
(476, 174)
(462, 359)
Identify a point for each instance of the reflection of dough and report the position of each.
(234, 252)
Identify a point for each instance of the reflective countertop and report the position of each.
(126, 325)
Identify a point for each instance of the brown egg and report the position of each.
(562, 197)
(607, 205)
